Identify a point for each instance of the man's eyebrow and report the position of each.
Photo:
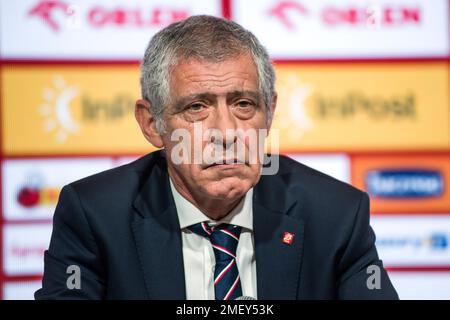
(245, 93)
(183, 101)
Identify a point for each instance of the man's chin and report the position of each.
(228, 189)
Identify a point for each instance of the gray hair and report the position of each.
(205, 38)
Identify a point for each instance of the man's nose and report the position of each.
(225, 123)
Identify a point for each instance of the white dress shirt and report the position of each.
(198, 254)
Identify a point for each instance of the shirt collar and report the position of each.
(188, 214)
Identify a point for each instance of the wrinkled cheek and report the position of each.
(254, 147)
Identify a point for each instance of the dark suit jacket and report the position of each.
(121, 228)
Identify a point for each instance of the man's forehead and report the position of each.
(217, 87)
(239, 66)
(225, 76)
(224, 83)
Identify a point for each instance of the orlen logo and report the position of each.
(289, 12)
(53, 12)
(284, 8)
(434, 241)
(404, 183)
(46, 10)
(33, 193)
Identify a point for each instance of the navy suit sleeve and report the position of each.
(360, 264)
(72, 244)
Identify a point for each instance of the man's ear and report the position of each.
(147, 122)
(272, 107)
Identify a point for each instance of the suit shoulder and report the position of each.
(298, 175)
(305, 193)
(120, 179)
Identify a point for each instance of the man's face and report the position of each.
(222, 96)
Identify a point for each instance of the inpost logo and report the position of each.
(352, 104)
(307, 109)
(346, 107)
(294, 120)
(57, 109)
(361, 107)
(66, 108)
(71, 110)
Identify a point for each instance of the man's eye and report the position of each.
(196, 107)
(244, 104)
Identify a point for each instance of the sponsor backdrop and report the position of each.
(363, 92)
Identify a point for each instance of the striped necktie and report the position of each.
(224, 240)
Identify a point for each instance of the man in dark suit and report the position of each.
(200, 219)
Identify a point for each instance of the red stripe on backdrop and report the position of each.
(227, 9)
(350, 153)
(418, 269)
(362, 60)
(1, 230)
(18, 279)
(23, 278)
(75, 155)
(68, 62)
(413, 213)
(109, 62)
(1, 188)
(27, 222)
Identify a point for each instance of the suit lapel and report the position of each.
(278, 265)
(158, 238)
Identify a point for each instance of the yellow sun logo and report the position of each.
(57, 109)
(291, 117)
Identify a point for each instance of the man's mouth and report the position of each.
(226, 162)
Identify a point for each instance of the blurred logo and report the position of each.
(57, 109)
(99, 16)
(435, 241)
(24, 247)
(289, 12)
(282, 10)
(63, 119)
(404, 183)
(46, 10)
(325, 104)
(296, 92)
(439, 241)
(34, 193)
(375, 107)
(25, 252)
